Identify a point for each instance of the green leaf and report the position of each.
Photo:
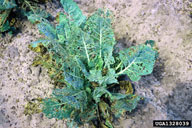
(47, 29)
(117, 96)
(77, 43)
(98, 92)
(96, 76)
(4, 23)
(126, 104)
(137, 61)
(7, 4)
(73, 78)
(74, 12)
(63, 28)
(99, 27)
(82, 67)
(89, 114)
(150, 42)
(5, 27)
(109, 78)
(38, 16)
(53, 109)
(109, 124)
(96, 63)
(45, 43)
(71, 97)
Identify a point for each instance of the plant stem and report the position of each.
(98, 114)
(121, 72)
(85, 46)
(111, 86)
(118, 66)
(29, 6)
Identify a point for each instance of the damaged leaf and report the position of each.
(82, 51)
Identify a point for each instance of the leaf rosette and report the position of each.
(84, 49)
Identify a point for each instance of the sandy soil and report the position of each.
(167, 92)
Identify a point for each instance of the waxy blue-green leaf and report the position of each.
(126, 104)
(52, 109)
(109, 78)
(74, 12)
(89, 114)
(137, 61)
(82, 67)
(71, 97)
(117, 96)
(62, 28)
(44, 42)
(47, 29)
(98, 92)
(5, 27)
(7, 4)
(99, 27)
(37, 16)
(73, 78)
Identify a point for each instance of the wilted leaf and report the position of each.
(127, 86)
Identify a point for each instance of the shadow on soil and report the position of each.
(159, 69)
(179, 103)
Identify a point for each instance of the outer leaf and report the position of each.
(73, 78)
(127, 86)
(4, 24)
(77, 43)
(99, 27)
(38, 16)
(47, 29)
(74, 12)
(63, 29)
(7, 4)
(4, 27)
(137, 61)
(126, 104)
(71, 97)
(117, 96)
(45, 43)
(53, 109)
(89, 114)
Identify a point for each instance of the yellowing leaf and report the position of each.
(127, 86)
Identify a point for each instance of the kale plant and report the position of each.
(82, 50)
(29, 8)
